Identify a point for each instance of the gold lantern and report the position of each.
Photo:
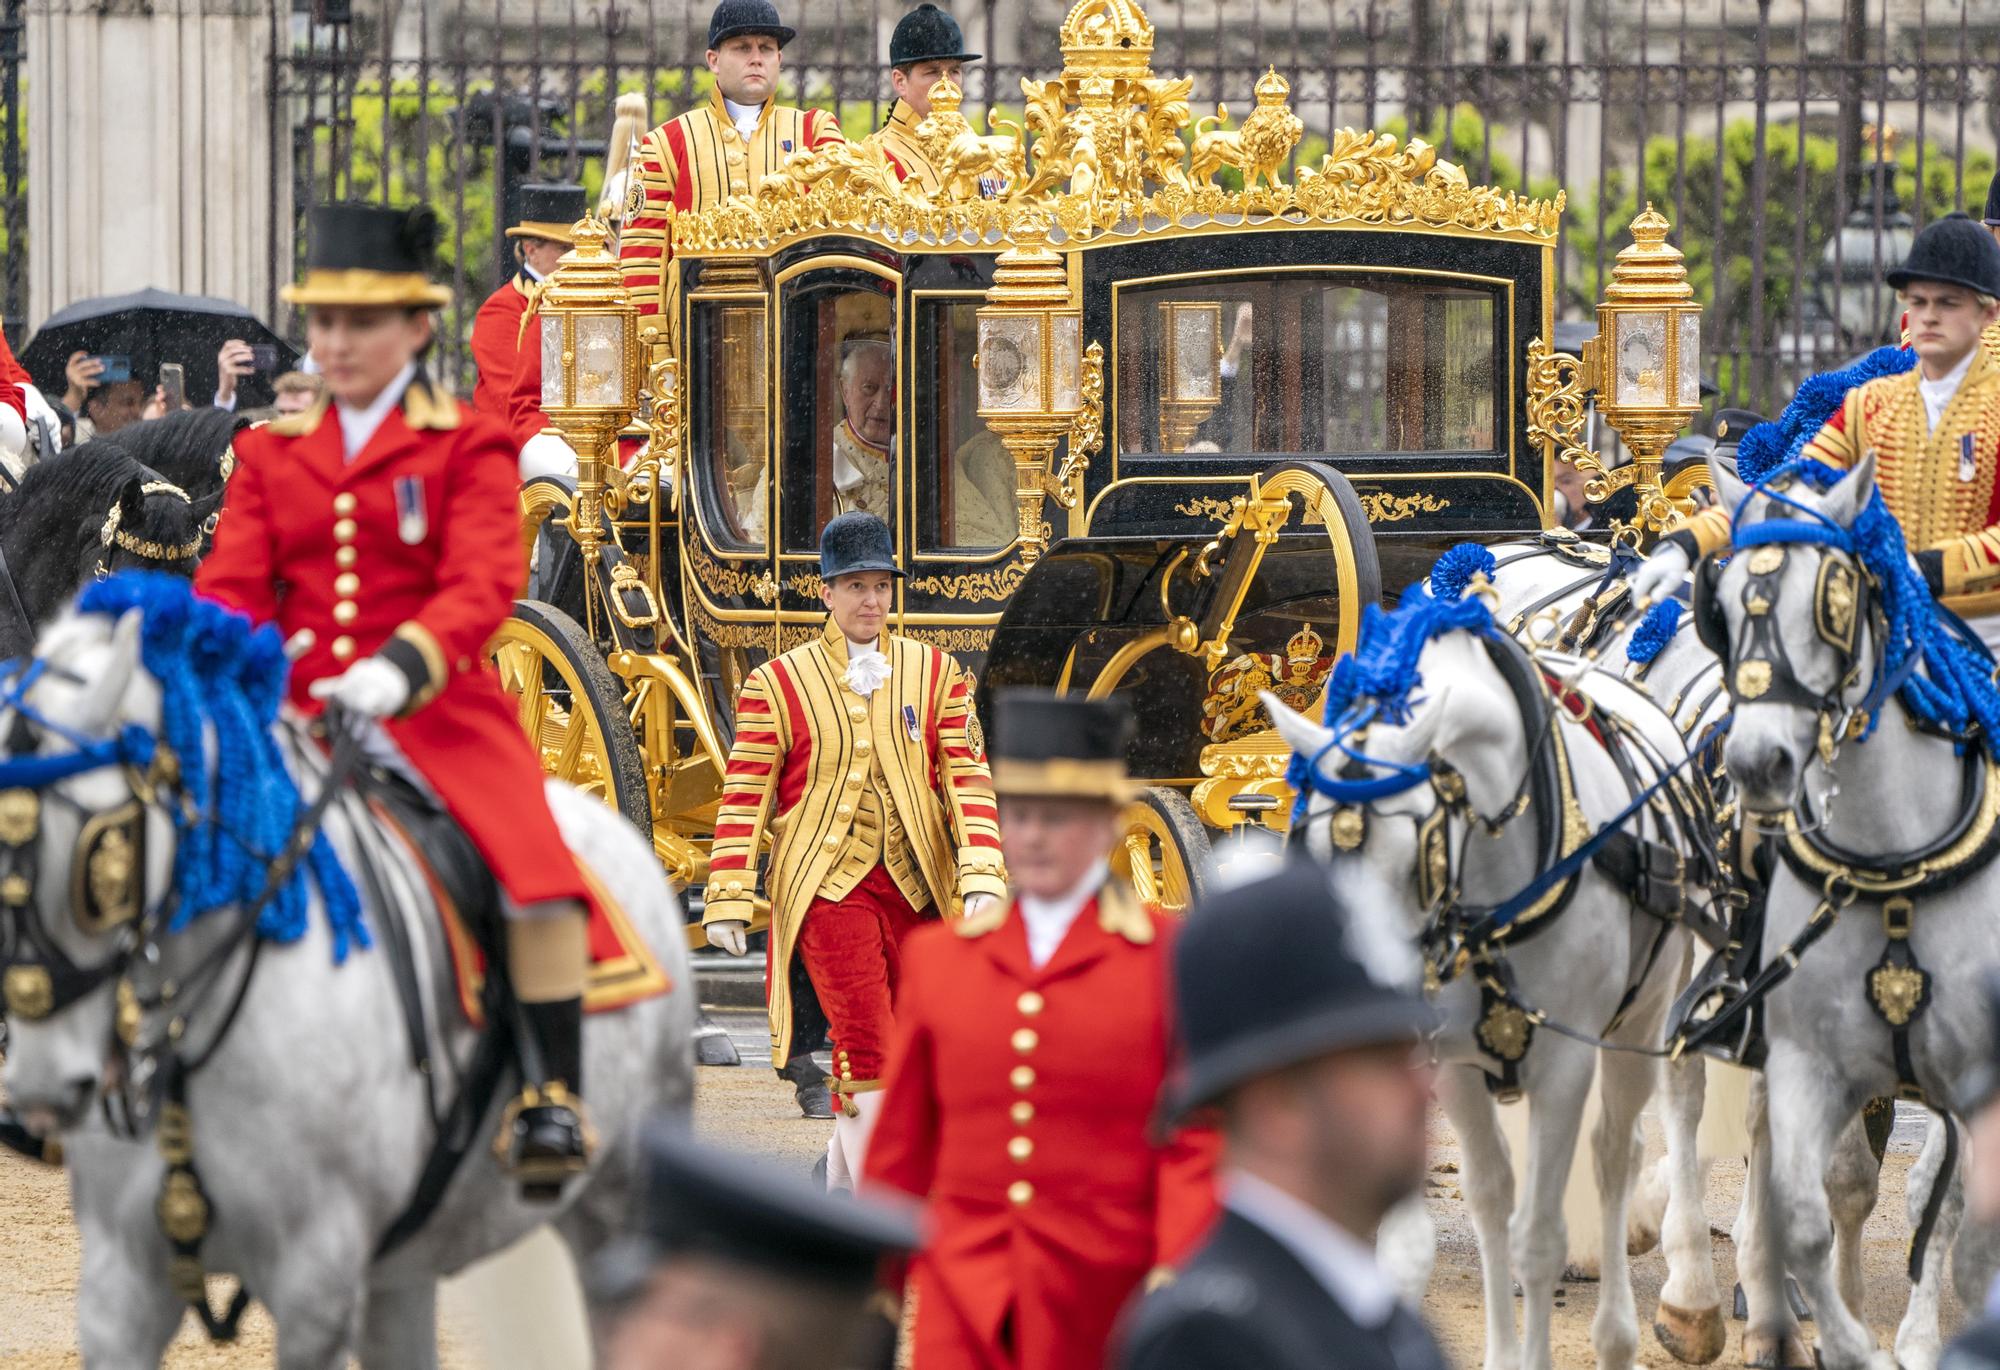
(590, 368)
(1030, 364)
(1190, 368)
(1644, 364)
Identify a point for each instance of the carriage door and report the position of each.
(727, 550)
(837, 431)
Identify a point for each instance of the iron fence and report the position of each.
(1796, 144)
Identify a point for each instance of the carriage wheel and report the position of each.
(1163, 849)
(572, 708)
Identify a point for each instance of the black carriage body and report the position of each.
(1395, 358)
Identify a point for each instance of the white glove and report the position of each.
(370, 688)
(729, 934)
(1660, 574)
(976, 904)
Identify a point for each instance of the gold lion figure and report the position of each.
(1257, 149)
(963, 158)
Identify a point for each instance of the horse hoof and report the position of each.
(712, 1046)
(1762, 1351)
(1692, 1336)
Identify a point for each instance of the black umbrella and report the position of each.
(151, 327)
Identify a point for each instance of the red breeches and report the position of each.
(850, 946)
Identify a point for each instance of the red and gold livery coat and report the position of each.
(1943, 485)
(806, 744)
(496, 344)
(898, 139)
(697, 160)
(1019, 1104)
(411, 550)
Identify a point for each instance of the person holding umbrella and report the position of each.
(378, 528)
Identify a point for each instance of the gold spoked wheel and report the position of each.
(571, 707)
(1163, 849)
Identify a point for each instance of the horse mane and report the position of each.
(221, 682)
(188, 448)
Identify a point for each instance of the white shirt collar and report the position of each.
(1338, 1259)
(745, 117)
(867, 668)
(359, 425)
(1937, 393)
(530, 272)
(1048, 920)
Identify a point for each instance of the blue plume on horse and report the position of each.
(218, 674)
(1456, 568)
(1382, 669)
(1956, 689)
(1654, 632)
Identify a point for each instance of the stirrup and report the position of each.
(545, 1137)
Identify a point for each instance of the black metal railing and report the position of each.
(1794, 157)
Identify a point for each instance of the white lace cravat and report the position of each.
(867, 668)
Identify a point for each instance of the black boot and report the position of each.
(808, 1086)
(545, 1136)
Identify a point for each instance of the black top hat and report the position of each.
(1275, 972)
(735, 17)
(857, 541)
(927, 34)
(547, 211)
(1993, 202)
(370, 254)
(717, 1205)
(1951, 251)
(1047, 745)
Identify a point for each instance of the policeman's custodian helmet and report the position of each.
(370, 255)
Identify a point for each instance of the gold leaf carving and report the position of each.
(1382, 506)
(972, 586)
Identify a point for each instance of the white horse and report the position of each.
(1883, 958)
(1613, 970)
(310, 1124)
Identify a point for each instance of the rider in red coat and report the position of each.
(541, 234)
(1031, 1044)
(382, 524)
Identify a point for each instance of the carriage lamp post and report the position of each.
(1645, 364)
(1190, 368)
(590, 368)
(1030, 363)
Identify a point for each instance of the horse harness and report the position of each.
(1461, 939)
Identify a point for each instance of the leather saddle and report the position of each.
(455, 865)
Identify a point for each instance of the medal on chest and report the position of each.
(910, 724)
(1968, 465)
(412, 519)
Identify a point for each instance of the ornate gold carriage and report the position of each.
(1149, 419)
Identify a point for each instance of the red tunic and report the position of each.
(496, 331)
(12, 378)
(1018, 1103)
(417, 538)
(521, 408)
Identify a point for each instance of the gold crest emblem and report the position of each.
(29, 992)
(1766, 559)
(975, 735)
(20, 816)
(1753, 678)
(183, 1211)
(1347, 828)
(1504, 1032)
(1897, 992)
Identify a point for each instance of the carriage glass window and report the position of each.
(729, 409)
(1312, 363)
(839, 381)
(965, 479)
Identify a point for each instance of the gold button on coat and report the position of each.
(1022, 1077)
(857, 712)
(1030, 1003)
(1020, 1148)
(845, 811)
(831, 842)
(1020, 1192)
(345, 556)
(1022, 1112)
(343, 648)
(1025, 1040)
(861, 745)
(346, 583)
(343, 530)
(344, 502)
(344, 612)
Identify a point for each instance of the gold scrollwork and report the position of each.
(952, 639)
(974, 586)
(805, 583)
(1086, 434)
(1205, 506)
(1898, 991)
(730, 580)
(1557, 396)
(722, 634)
(1383, 506)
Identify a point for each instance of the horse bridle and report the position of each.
(113, 538)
